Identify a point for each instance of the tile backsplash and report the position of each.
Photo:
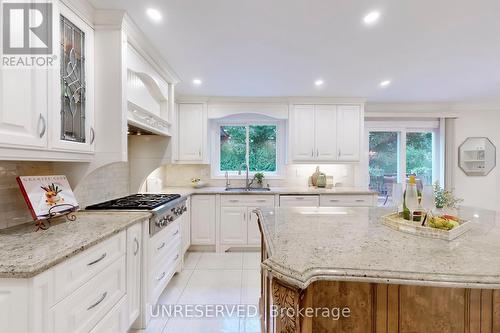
(108, 182)
(295, 175)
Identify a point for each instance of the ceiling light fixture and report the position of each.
(371, 18)
(385, 83)
(154, 14)
(318, 83)
(197, 82)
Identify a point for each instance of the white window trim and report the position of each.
(280, 148)
(409, 126)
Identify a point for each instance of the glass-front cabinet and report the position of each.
(72, 110)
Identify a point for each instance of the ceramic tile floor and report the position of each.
(212, 278)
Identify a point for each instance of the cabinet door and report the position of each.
(191, 132)
(134, 260)
(23, 107)
(253, 232)
(203, 220)
(326, 132)
(233, 225)
(186, 227)
(348, 132)
(71, 85)
(302, 133)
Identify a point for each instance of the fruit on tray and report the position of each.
(444, 222)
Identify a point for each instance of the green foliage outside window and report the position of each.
(261, 147)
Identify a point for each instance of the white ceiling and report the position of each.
(433, 51)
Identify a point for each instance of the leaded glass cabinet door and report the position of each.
(73, 106)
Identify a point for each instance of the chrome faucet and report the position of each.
(247, 181)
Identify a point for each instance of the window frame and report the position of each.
(402, 127)
(216, 146)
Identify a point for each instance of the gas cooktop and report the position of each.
(136, 201)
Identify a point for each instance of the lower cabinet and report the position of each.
(238, 223)
(134, 265)
(203, 220)
(233, 225)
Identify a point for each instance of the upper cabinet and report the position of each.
(192, 133)
(325, 133)
(47, 109)
(71, 105)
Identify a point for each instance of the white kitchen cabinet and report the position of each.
(186, 227)
(115, 321)
(302, 129)
(299, 200)
(233, 225)
(191, 133)
(325, 119)
(238, 223)
(203, 220)
(72, 128)
(348, 200)
(348, 132)
(253, 232)
(325, 133)
(134, 266)
(23, 108)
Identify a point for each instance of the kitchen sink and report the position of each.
(251, 189)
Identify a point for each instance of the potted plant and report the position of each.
(259, 178)
(445, 199)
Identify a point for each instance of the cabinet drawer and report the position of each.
(162, 242)
(83, 309)
(346, 200)
(74, 272)
(115, 321)
(299, 201)
(162, 271)
(247, 200)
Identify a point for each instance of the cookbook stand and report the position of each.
(69, 213)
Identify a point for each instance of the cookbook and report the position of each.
(47, 195)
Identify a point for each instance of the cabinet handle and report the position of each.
(261, 200)
(312, 152)
(176, 257)
(161, 276)
(233, 200)
(317, 152)
(360, 200)
(97, 260)
(199, 152)
(334, 200)
(299, 198)
(98, 302)
(244, 216)
(92, 135)
(136, 246)
(161, 246)
(340, 152)
(176, 232)
(44, 123)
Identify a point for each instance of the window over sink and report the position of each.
(255, 143)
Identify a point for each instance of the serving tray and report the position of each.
(398, 223)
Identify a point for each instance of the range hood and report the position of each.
(147, 105)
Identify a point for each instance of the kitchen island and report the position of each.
(344, 259)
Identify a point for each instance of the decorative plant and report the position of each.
(259, 177)
(445, 198)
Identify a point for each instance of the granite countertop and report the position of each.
(25, 253)
(186, 191)
(350, 244)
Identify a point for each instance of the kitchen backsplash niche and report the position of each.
(106, 183)
(295, 175)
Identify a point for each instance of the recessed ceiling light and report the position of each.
(154, 14)
(197, 82)
(319, 82)
(385, 83)
(371, 18)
